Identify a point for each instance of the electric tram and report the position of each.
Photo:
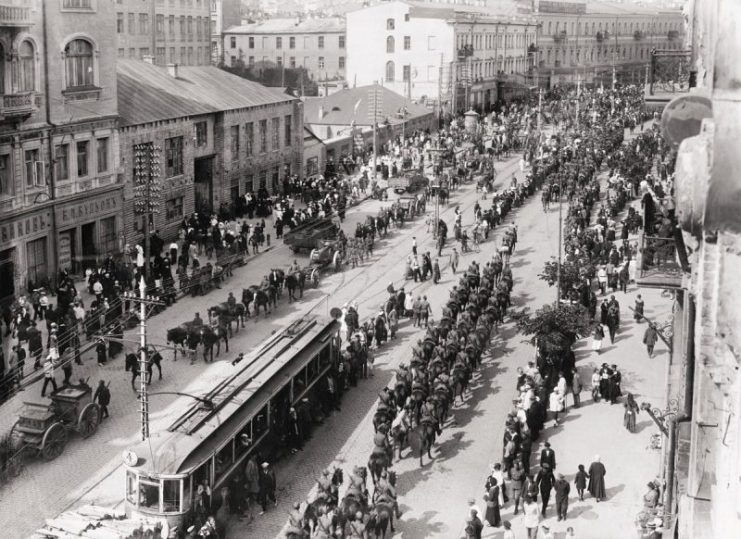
(214, 437)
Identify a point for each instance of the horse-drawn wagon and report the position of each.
(409, 181)
(43, 428)
(306, 236)
(410, 206)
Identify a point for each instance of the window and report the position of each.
(78, 58)
(320, 42)
(292, 42)
(321, 62)
(82, 158)
(341, 42)
(407, 43)
(161, 56)
(341, 62)
(251, 61)
(249, 137)
(174, 156)
(235, 141)
(159, 25)
(27, 64)
(132, 52)
(108, 237)
(143, 23)
(181, 20)
(390, 24)
(77, 4)
(121, 53)
(279, 61)
(312, 166)
(190, 56)
(390, 45)
(287, 131)
(171, 495)
(263, 184)
(275, 133)
(406, 73)
(201, 133)
(102, 155)
(251, 42)
(6, 178)
(119, 23)
(174, 208)
(390, 71)
(36, 260)
(198, 28)
(190, 28)
(278, 42)
(292, 62)
(61, 162)
(233, 42)
(132, 23)
(171, 25)
(263, 136)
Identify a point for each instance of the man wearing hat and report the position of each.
(562, 488)
(267, 486)
(548, 456)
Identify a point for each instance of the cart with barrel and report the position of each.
(43, 429)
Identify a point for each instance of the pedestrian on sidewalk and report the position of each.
(425, 309)
(531, 518)
(580, 481)
(454, 260)
(599, 335)
(414, 246)
(48, 375)
(436, 271)
(576, 387)
(649, 339)
(508, 533)
(493, 516)
(597, 474)
(562, 488)
(545, 481)
(631, 411)
(267, 487)
(416, 270)
(596, 380)
(517, 476)
(548, 456)
(638, 309)
(102, 396)
(555, 405)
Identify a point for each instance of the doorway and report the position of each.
(7, 275)
(89, 254)
(203, 172)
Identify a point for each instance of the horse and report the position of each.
(213, 336)
(426, 431)
(291, 284)
(259, 296)
(132, 364)
(378, 462)
(276, 278)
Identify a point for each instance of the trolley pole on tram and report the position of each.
(144, 301)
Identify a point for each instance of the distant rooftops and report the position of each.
(291, 26)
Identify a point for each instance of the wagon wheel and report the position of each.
(53, 442)
(89, 420)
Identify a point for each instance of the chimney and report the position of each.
(172, 70)
(321, 112)
(148, 58)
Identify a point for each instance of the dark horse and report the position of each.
(259, 296)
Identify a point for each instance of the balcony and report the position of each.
(17, 105)
(657, 263)
(15, 16)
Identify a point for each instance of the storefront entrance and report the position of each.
(89, 254)
(203, 172)
(7, 275)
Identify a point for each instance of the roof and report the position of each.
(148, 93)
(508, 10)
(239, 395)
(595, 7)
(352, 105)
(291, 26)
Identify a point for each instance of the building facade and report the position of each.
(224, 14)
(60, 196)
(460, 56)
(217, 136)
(586, 40)
(318, 45)
(172, 31)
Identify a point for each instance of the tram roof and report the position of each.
(202, 429)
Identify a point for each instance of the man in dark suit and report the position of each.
(548, 456)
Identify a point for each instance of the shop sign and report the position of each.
(86, 210)
(24, 226)
(65, 250)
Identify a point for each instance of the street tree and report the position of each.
(554, 330)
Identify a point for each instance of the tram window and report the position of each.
(311, 370)
(131, 487)
(149, 494)
(324, 356)
(185, 503)
(260, 423)
(202, 476)
(243, 441)
(224, 459)
(171, 495)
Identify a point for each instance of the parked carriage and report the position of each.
(44, 428)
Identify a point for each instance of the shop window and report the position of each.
(82, 158)
(102, 155)
(6, 178)
(174, 208)
(61, 164)
(174, 156)
(171, 495)
(149, 494)
(78, 58)
(108, 236)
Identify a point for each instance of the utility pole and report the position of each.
(144, 301)
(146, 190)
(578, 95)
(454, 77)
(374, 95)
(540, 113)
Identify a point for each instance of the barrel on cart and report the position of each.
(43, 428)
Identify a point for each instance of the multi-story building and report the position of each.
(172, 31)
(218, 136)
(60, 199)
(318, 45)
(457, 55)
(224, 14)
(587, 39)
